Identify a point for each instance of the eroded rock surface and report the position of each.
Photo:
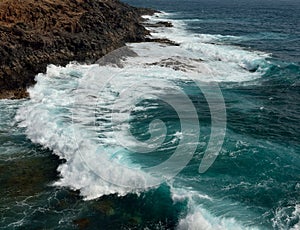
(35, 33)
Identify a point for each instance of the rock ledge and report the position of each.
(35, 33)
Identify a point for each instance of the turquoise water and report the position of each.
(66, 151)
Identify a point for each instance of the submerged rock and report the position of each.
(159, 24)
(82, 223)
(26, 176)
(163, 41)
(106, 207)
(176, 64)
(57, 32)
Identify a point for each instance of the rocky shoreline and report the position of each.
(35, 33)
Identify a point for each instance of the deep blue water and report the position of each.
(271, 26)
(254, 182)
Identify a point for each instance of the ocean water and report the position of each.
(119, 145)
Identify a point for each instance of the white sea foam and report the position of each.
(201, 219)
(287, 217)
(61, 115)
(66, 102)
(230, 63)
(197, 217)
(296, 216)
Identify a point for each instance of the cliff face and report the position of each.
(34, 33)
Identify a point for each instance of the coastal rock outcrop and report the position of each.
(35, 33)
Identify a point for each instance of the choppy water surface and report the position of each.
(72, 135)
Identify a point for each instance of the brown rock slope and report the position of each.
(34, 33)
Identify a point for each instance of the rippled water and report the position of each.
(75, 133)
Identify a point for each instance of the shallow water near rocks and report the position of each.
(254, 182)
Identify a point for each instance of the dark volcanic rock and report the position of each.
(34, 33)
(162, 40)
(175, 64)
(159, 24)
(82, 223)
(147, 11)
(114, 58)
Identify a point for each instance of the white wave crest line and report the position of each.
(188, 143)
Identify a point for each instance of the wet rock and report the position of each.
(178, 65)
(147, 11)
(14, 93)
(159, 24)
(27, 176)
(60, 31)
(115, 57)
(163, 41)
(106, 207)
(82, 223)
(135, 220)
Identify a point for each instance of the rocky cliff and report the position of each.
(34, 33)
